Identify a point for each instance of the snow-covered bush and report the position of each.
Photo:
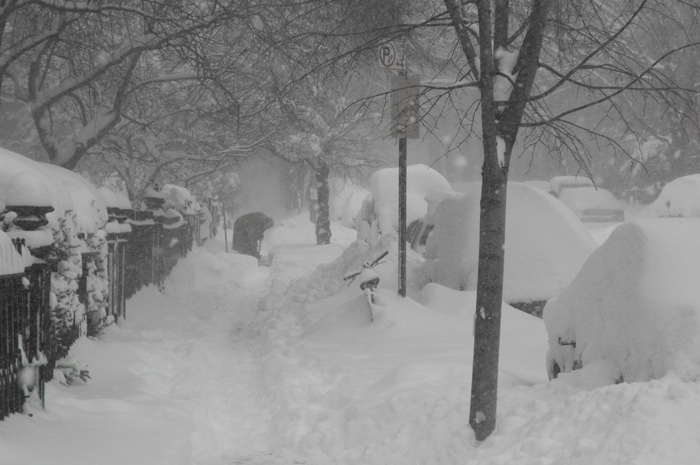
(634, 306)
(75, 226)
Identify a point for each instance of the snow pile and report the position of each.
(546, 244)
(87, 200)
(635, 304)
(558, 183)
(180, 199)
(580, 199)
(376, 384)
(381, 212)
(31, 175)
(115, 199)
(27, 189)
(679, 198)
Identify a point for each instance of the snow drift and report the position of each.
(679, 198)
(635, 304)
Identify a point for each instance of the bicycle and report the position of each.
(369, 280)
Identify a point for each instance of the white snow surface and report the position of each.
(546, 244)
(115, 199)
(635, 303)
(226, 367)
(679, 198)
(28, 182)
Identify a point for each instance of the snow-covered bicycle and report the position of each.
(369, 279)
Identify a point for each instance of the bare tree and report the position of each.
(323, 134)
(80, 66)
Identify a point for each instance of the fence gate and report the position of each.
(116, 262)
(12, 320)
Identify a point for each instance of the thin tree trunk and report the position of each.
(323, 222)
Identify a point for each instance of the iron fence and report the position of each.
(144, 256)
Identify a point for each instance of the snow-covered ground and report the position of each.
(234, 363)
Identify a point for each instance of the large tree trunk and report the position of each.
(323, 221)
(489, 292)
(499, 130)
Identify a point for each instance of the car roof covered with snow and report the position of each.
(546, 244)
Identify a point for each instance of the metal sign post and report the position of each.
(223, 209)
(402, 214)
(405, 116)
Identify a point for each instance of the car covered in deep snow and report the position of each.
(545, 247)
(679, 198)
(593, 204)
(634, 306)
(379, 215)
(559, 183)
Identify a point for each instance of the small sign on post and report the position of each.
(392, 55)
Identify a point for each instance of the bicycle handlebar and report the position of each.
(371, 265)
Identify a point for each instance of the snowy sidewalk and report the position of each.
(175, 383)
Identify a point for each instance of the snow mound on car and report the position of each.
(421, 180)
(546, 244)
(679, 198)
(635, 303)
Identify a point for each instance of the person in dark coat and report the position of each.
(248, 232)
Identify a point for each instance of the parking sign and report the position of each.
(392, 55)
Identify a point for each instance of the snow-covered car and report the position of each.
(379, 214)
(634, 308)
(559, 183)
(679, 198)
(593, 204)
(546, 244)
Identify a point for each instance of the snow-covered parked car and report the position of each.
(593, 204)
(679, 198)
(634, 306)
(380, 210)
(546, 244)
(559, 183)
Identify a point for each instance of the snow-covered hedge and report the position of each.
(75, 227)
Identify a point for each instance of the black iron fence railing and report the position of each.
(135, 259)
